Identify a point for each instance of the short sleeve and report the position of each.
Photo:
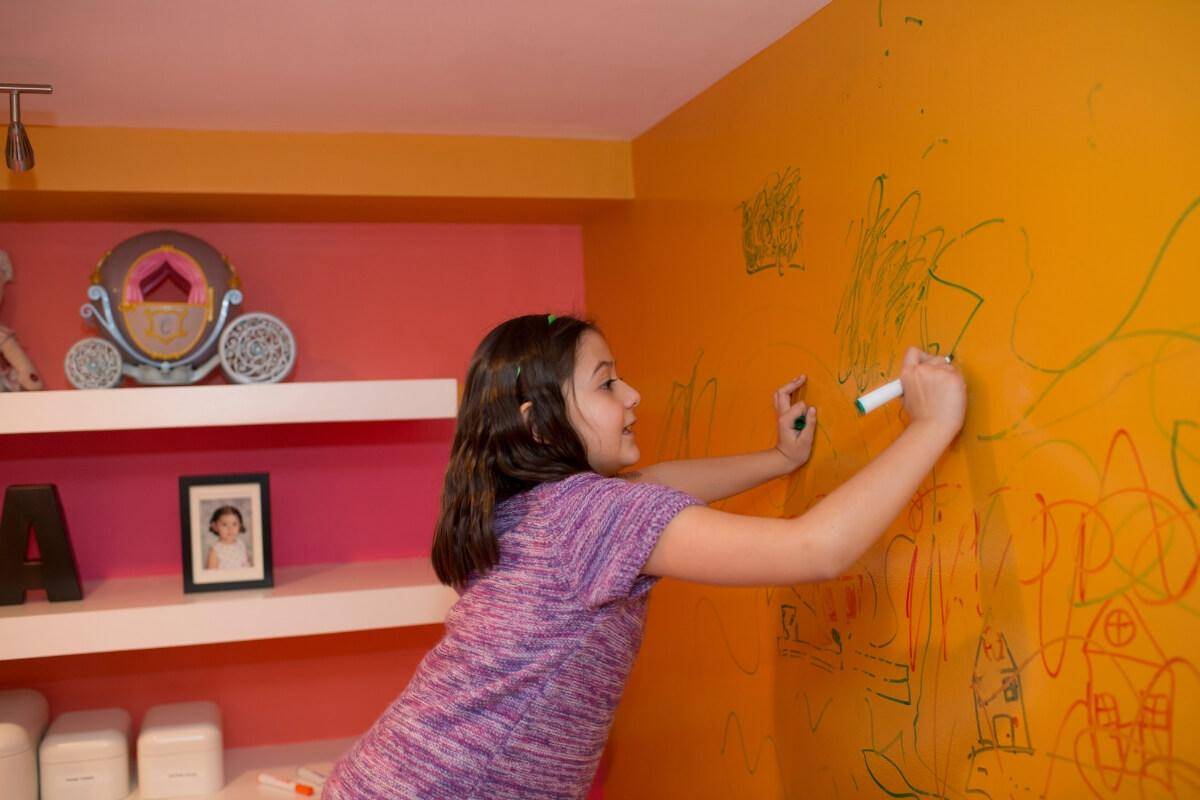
(606, 531)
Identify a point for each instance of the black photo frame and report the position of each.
(215, 561)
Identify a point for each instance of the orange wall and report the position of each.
(1017, 182)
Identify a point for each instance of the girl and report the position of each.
(229, 551)
(553, 555)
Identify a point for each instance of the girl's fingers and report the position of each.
(780, 400)
(783, 395)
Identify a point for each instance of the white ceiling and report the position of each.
(605, 69)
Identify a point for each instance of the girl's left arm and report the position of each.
(711, 479)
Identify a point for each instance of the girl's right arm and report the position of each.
(708, 546)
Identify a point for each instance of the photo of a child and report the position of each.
(225, 532)
(228, 547)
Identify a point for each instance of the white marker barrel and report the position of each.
(877, 397)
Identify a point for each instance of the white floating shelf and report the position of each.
(148, 407)
(242, 765)
(141, 613)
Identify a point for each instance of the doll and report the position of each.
(17, 372)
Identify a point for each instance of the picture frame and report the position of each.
(225, 523)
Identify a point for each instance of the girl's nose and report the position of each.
(634, 398)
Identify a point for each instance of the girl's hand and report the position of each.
(934, 391)
(795, 444)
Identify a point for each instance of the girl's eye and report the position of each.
(608, 383)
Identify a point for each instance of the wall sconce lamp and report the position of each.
(18, 153)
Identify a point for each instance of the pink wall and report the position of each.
(345, 492)
(364, 301)
(271, 691)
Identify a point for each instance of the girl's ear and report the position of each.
(526, 409)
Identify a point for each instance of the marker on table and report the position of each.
(889, 391)
(314, 776)
(295, 787)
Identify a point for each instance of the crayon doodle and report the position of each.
(967, 180)
(1003, 746)
(1122, 330)
(1091, 107)
(933, 144)
(895, 268)
(773, 225)
(688, 404)
(1131, 551)
(1182, 426)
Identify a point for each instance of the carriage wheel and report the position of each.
(257, 348)
(93, 364)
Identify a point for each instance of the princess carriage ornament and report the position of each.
(161, 343)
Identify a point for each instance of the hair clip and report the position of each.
(518, 370)
(550, 319)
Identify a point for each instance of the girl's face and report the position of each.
(600, 407)
(227, 527)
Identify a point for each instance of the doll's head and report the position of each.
(226, 523)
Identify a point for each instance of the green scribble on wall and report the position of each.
(772, 225)
(890, 778)
(1119, 331)
(750, 762)
(934, 144)
(1092, 114)
(676, 438)
(895, 266)
(1175, 448)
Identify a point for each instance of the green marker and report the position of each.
(889, 391)
(801, 422)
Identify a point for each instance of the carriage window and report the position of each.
(164, 285)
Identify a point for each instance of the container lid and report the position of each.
(180, 728)
(23, 716)
(86, 736)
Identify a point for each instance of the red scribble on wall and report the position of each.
(842, 599)
(1132, 548)
(916, 507)
(1128, 744)
(931, 602)
(1099, 547)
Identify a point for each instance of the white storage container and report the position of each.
(23, 717)
(179, 751)
(85, 756)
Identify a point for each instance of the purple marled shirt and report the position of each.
(516, 700)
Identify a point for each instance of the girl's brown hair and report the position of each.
(498, 453)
